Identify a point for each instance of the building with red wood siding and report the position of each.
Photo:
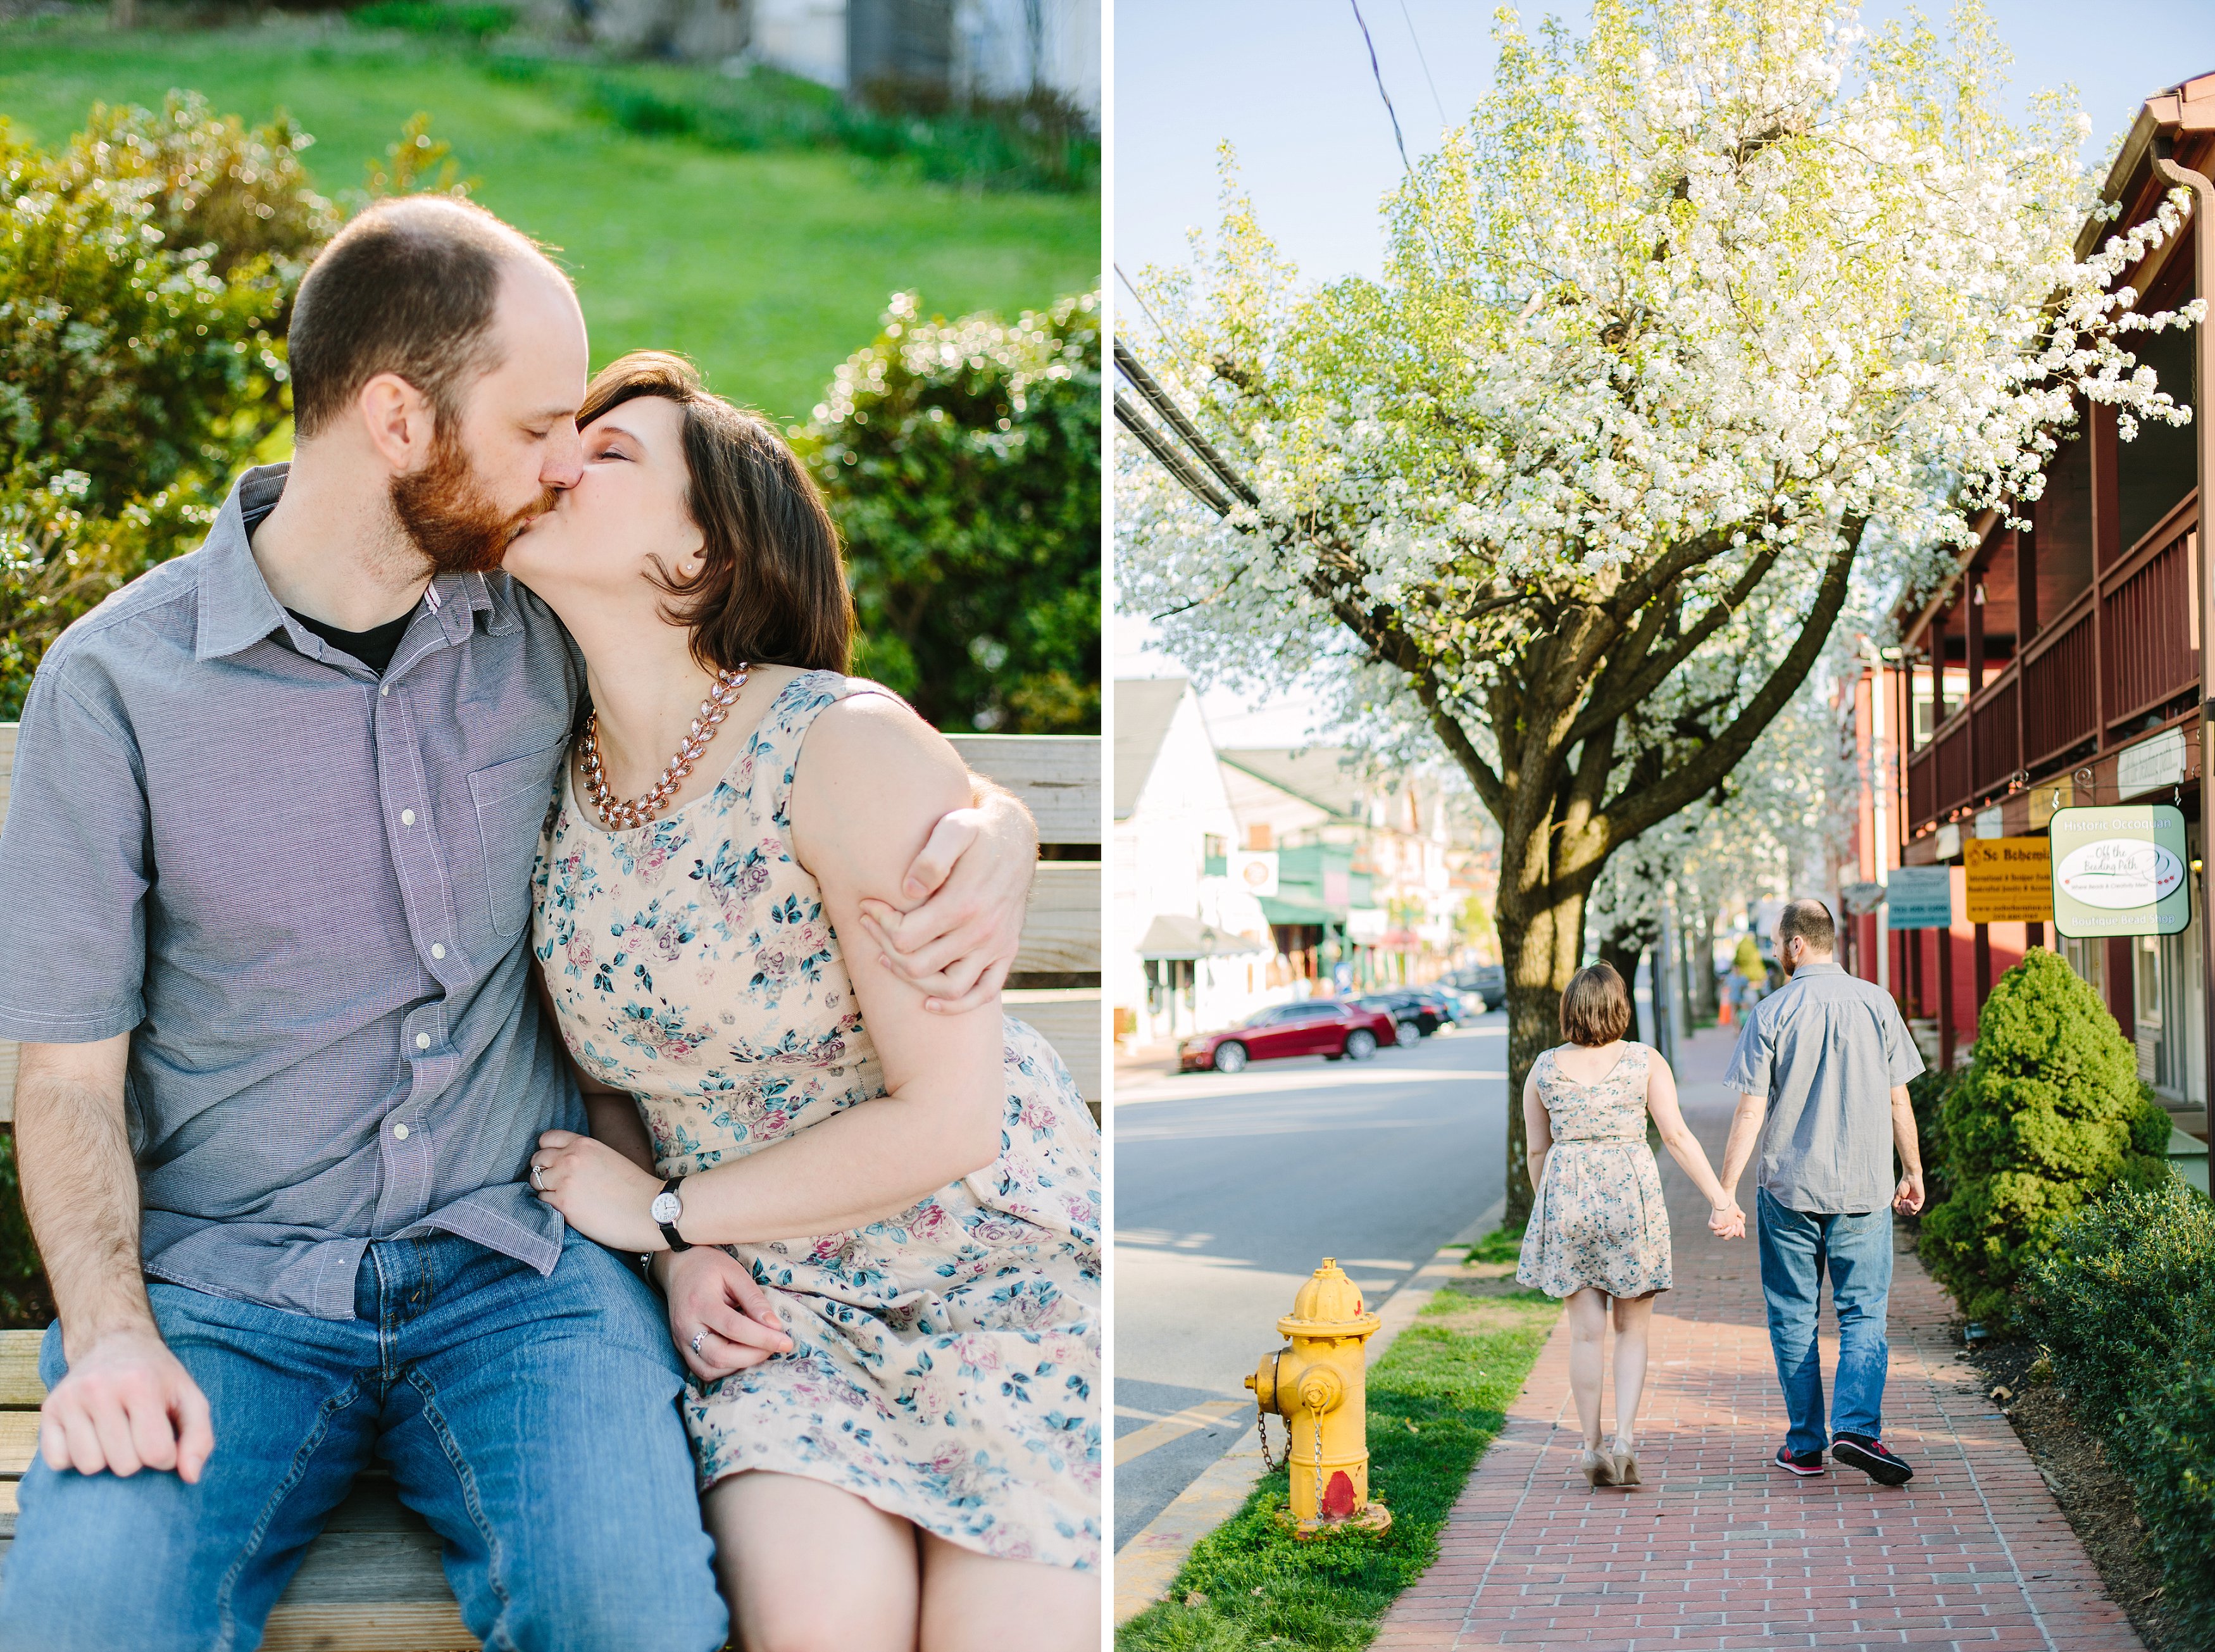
(2064, 663)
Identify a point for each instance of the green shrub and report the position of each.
(472, 22)
(1926, 1093)
(2049, 1113)
(962, 461)
(2125, 1304)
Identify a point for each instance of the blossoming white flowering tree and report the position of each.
(1702, 319)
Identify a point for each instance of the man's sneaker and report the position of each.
(1803, 1464)
(1870, 1456)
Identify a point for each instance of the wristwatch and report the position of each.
(667, 1210)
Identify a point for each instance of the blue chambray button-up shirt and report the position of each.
(305, 893)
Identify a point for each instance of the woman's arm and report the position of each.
(1684, 1147)
(1537, 1129)
(872, 782)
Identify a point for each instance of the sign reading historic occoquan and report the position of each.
(2121, 868)
(2010, 880)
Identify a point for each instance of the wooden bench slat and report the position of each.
(423, 1626)
(20, 1387)
(1061, 926)
(1056, 776)
(1070, 1019)
(19, 1441)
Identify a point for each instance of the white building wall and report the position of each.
(802, 37)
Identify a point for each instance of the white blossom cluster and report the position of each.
(1720, 283)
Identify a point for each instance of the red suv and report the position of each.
(1327, 1026)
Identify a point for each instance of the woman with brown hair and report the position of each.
(1598, 1230)
(903, 1450)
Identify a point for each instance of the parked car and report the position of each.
(1488, 982)
(1410, 1020)
(1333, 1028)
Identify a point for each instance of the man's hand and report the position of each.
(1908, 1199)
(973, 878)
(127, 1403)
(1726, 1221)
(713, 1297)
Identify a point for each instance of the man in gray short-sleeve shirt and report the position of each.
(1821, 1072)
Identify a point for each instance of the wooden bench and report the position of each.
(372, 1581)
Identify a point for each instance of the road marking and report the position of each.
(1175, 1427)
(1211, 1086)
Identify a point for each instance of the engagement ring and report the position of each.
(699, 1337)
(535, 1182)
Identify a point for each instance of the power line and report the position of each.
(1439, 102)
(1405, 164)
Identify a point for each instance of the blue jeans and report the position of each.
(1797, 1249)
(531, 1421)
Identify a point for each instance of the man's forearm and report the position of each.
(81, 1193)
(1903, 1133)
(1744, 1132)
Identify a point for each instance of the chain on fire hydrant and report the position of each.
(1317, 1387)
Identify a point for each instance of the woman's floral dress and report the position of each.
(946, 1366)
(1598, 1219)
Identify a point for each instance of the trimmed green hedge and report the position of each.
(2049, 1113)
(2125, 1304)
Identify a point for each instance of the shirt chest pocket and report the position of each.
(511, 801)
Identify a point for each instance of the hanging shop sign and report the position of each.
(2161, 761)
(1255, 870)
(1989, 824)
(1948, 844)
(2121, 868)
(2010, 880)
(1919, 898)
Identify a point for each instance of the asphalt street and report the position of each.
(1230, 1191)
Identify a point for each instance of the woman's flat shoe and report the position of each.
(1626, 1464)
(1599, 1467)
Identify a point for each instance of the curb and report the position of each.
(1149, 1562)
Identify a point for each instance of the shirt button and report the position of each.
(437, 951)
(408, 817)
(422, 1040)
(400, 1132)
(384, 688)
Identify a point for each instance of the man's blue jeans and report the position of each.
(1797, 1249)
(530, 1420)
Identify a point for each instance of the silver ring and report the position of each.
(535, 1181)
(699, 1337)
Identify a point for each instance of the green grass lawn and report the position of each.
(1436, 1399)
(767, 269)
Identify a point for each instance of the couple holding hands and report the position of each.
(1821, 1071)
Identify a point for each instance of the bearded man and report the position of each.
(268, 868)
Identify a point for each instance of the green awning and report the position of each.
(1293, 912)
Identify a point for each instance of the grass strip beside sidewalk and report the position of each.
(1436, 1400)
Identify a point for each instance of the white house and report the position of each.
(1188, 948)
(1000, 49)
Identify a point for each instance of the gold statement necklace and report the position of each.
(619, 814)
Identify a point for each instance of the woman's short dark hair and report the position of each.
(1596, 1006)
(771, 588)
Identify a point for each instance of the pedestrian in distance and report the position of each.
(1599, 1233)
(1821, 1072)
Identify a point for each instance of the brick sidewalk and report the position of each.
(1718, 1549)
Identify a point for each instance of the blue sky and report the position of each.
(1288, 83)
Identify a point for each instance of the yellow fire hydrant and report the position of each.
(1317, 1386)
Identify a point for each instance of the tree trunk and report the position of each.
(1700, 956)
(123, 15)
(1624, 952)
(1542, 938)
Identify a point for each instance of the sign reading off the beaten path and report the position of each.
(1919, 898)
(2121, 868)
(2010, 880)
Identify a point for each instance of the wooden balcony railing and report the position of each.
(2089, 681)
(2148, 613)
(2059, 706)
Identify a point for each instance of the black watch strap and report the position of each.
(669, 1229)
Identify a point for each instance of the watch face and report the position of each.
(665, 1209)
